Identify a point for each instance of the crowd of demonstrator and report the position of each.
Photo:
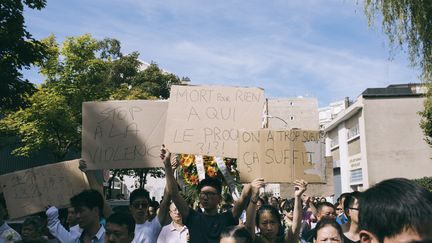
(394, 210)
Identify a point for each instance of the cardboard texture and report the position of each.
(123, 134)
(30, 191)
(205, 119)
(281, 156)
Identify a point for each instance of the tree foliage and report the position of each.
(406, 22)
(18, 50)
(81, 69)
(425, 182)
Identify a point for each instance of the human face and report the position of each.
(209, 198)
(115, 233)
(71, 217)
(86, 217)
(328, 234)
(152, 212)
(139, 209)
(354, 212)
(406, 236)
(339, 210)
(29, 232)
(174, 214)
(268, 225)
(326, 212)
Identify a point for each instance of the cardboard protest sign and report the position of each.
(123, 134)
(281, 156)
(205, 119)
(30, 191)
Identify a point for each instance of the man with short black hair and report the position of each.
(89, 206)
(351, 209)
(147, 231)
(324, 210)
(119, 228)
(204, 227)
(395, 210)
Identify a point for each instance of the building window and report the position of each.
(334, 142)
(353, 131)
(356, 176)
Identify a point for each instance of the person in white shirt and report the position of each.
(147, 231)
(176, 231)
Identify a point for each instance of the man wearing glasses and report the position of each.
(206, 226)
(146, 231)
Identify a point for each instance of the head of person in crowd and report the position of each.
(341, 198)
(260, 202)
(88, 207)
(328, 230)
(119, 228)
(139, 203)
(235, 234)
(395, 210)
(339, 208)
(273, 201)
(351, 207)
(269, 222)
(71, 217)
(210, 190)
(175, 214)
(325, 209)
(322, 199)
(287, 208)
(32, 228)
(152, 210)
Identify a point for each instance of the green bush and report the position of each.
(425, 182)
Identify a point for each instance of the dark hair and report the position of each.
(88, 198)
(139, 193)
(288, 205)
(326, 221)
(2, 201)
(393, 205)
(350, 200)
(343, 195)
(321, 205)
(239, 233)
(273, 211)
(212, 182)
(37, 223)
(123, 219)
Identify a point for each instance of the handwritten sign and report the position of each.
(123, 134)
(30, 191)
(205, 119)
(281, 156)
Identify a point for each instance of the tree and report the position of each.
(408, 23)
(18, 50)
(82, 69)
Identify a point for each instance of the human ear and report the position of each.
(366, 237)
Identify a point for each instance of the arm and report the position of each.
(242, 202)
(96, 184)
(57, 229)
(251, 209)
(171, 184)
(292, 235)
(164, 208)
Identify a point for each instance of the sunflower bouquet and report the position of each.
(188, 171)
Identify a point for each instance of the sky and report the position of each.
(311, 48)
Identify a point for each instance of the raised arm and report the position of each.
(245, 196)
(171, 185)
(292, 234)
(164, 208)
(251, 209)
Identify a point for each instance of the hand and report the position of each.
(82, 165)
(165, 156)
(300, 187)
(256, 185)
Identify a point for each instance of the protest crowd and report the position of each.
(394, 210)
